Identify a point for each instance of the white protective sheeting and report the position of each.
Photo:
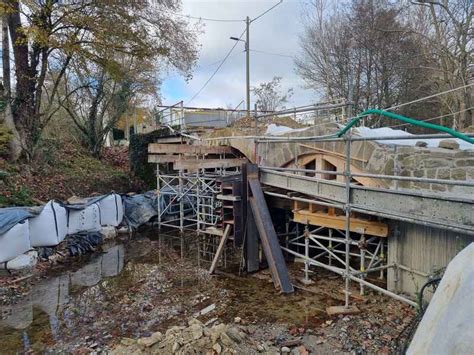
(111, 210)
(14, 242)
(390, 132)
(85, 220)
(447, 325)
(49, 228)
(276, 130)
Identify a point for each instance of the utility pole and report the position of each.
(247, 49)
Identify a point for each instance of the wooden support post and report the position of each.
(220, 249)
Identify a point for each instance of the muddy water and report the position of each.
(133, 289)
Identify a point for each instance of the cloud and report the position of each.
(275, 32)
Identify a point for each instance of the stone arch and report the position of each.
(329, 162)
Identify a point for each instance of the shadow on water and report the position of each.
(131, 290)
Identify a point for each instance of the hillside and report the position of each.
(62, 170)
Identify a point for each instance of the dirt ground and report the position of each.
(135, 292)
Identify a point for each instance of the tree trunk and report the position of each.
(15, 148)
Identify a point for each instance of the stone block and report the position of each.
(435, 163)
(443, 174)
(458, 174)
(419, 173)
(449, 144)
(464, 162)
(438, 187)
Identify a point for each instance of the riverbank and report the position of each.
(133, 288)
(62, 170)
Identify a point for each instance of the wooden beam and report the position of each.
(167, 158)
(357, 225)
(266, 231)
(195, 164)
(220, 249)
(157, 148)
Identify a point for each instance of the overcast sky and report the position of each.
(276, 32)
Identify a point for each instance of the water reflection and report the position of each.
(46, 300)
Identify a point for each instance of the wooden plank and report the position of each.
(228, 197)
(195, 164)
(167, 158)
(168, 140)
(328, 220)
(220, 249)
(266, 231)
(158, 148)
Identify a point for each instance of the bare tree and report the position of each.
(270, 96)
(365, 48)
(95, 96)
(446, 28)
(47, 34)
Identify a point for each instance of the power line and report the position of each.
(428, 97)
(199, 67)
(206, 18)
(217, 69)
(434, 118)
(270, 53)
(263, 13)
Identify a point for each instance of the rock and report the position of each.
(194, 332)
(421, 144)
(151, 340)
(226, 340)
(448, 144)
(235, 334)
(175, 347)
(237, 320)
(215, 332)
(108, 232)
(260, 348)
(195, 321)
(285, 350)
(173, 331)
(217, 348)
(302, 350)
(128, 341)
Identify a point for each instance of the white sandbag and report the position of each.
(14, 242)
(21, 262)
(49, 228)
(111, 210)
(447, 325)
(85, 220)
(113, 261)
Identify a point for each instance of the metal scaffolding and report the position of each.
(188, 204)
(340, 251)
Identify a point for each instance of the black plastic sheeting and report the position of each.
(140, 209)
(83, 243)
